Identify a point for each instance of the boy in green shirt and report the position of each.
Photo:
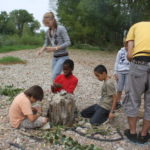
(99, 113)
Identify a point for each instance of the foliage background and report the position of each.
(103, 23)
(19, 28)
(91, 24)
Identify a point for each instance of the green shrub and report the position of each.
(11, 60)
(10, 91)
(86, 46)
(12, 40)
(108, 47)
(1, 41)
(6, 49)
(27, 39)
(6, 40)
(31, 40)
(10, 43)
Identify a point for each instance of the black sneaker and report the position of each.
(143, 139)
(131, 137)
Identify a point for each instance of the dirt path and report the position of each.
(38, 71)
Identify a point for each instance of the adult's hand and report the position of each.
(50, 49)
(41, 51)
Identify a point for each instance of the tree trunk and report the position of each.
(62, 109)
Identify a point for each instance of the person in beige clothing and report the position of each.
(21, 112)
(99, 113)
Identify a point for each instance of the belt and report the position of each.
(139, 62)
(61, 55)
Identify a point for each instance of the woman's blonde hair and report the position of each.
(50, 15)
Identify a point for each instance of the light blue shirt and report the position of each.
(122, 64)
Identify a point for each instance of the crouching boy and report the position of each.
(99, 113)
(21, 112)
(66, 81)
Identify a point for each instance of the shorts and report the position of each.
(138, 84)
(122, 81)
(27, 124)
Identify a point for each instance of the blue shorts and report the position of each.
(122, 81)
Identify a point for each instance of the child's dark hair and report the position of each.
(35, 92)
(100, 69)
(70, 63)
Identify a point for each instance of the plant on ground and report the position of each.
(55, 136)
(11, 60)
(10, 91)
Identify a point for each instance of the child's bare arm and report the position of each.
(111, 114)
(32, 118)
(34, 110)
(57, 85)
(52, 88)
(37, 109)
(114, 102)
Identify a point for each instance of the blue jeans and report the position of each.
(57, 66)
(122, 81)
(96, 113)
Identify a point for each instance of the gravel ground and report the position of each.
(38, 71)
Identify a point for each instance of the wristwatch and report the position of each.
(112, 111)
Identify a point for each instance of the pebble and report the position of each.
(81, 130)
(87, 125)
(81, 123)
(120, 148)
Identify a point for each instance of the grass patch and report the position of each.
(11, 60)
(5, 49)
(10, 91)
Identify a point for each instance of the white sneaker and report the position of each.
(46, 126)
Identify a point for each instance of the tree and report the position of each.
(14, 22)
(99, 22)
(21, 17)
(6, 25)
(34, 25)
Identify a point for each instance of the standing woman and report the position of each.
(56, 37)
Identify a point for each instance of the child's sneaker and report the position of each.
(143, 139)
(131, 137)
(46, 126)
